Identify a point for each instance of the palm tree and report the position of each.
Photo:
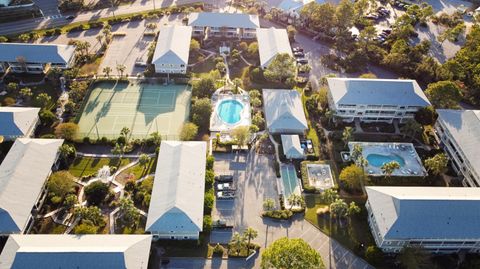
(360, 161)
(237, 242)
(268, 204)
(143, 160)
(107, 70)
(295, 200)
(339, 209)
(26, 92)
(151, 26)
(250, 234)
(347, 135)
(120, 69)
(329, 196)
(157, 138)
(437, 164)
(99, 39)
(329, 115)
(411, 128)
(66, 151)
(388, 168)
(125, 131)
(118, 150)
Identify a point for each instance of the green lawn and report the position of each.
(204, 67)
(351, 234)
(137, 171)
(82, 166)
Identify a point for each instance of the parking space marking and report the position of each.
(309, 228)
(313, 240)
(324, 242)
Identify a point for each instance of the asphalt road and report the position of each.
(49, 22)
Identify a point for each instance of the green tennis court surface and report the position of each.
(142, 107)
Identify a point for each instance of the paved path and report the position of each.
(151, 155)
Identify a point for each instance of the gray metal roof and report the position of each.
(464, 127)
(397, 92)
(36, 53)
(291, 146)
(23, 173)
(236, 20)
(177, 197)
(173, 45)
(76, 251)
(17, 121)
(272, 42)
(284, 110)
(426, 212)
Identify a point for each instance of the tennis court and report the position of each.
(143, 107)
(289, 181)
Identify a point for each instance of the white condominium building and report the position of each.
(458, 132)
(439, 219)
(375, 100)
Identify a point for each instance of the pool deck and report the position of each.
(217, 124)
(413, 165)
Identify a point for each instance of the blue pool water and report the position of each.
(378, 160)
(289, 179)
(229, 111)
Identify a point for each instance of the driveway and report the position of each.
(256, 181)
(49, 8)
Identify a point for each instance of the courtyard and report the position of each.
(142, 107)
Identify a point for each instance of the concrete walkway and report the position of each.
(130, 156)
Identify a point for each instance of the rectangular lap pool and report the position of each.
(377, 154)
(289, 181)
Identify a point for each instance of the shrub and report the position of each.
(210, 162)
(278, 214)
(208, 202)
(207, 223)
(96, 192)
(218, 249)
(209, 177)
(8, 101)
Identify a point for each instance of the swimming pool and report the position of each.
(289, 180)
(378, 160)
(229, 111)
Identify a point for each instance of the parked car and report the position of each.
(224, 195)
(141, 64)
(225, 186)
(70, 17)
(297, 49)
(299, 54)
(302, 61)
(224, 178)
